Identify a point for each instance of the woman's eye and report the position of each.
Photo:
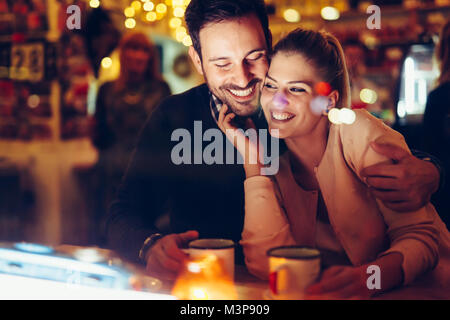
(296, 90)
(269, 86)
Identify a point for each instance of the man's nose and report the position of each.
(242, 76)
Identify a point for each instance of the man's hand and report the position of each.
(406, 185)
(165, 258)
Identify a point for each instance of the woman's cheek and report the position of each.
(265, 100)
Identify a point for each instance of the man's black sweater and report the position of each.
(202, 197)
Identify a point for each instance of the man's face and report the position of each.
(234, 62)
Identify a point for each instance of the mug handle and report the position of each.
(273, 278)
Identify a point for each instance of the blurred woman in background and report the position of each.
(122, 108)
(436, 123)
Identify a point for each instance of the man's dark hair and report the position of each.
(201, 12)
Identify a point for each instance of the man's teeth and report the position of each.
(282, 115)
(242, 93)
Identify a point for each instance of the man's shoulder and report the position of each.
(192, 98)
(178, 111)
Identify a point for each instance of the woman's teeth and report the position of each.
(282, 115)
(242, 93)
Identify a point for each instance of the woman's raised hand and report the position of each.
(248, 146)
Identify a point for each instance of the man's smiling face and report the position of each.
(234, 62)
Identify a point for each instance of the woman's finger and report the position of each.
(250, 124)
(222, 113)
(227, 121)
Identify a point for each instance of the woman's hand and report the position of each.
(341, 282)
(346, 282)
(249, 148)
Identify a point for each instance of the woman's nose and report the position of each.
(279, 100)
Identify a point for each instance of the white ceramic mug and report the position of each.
(223, 249)
(292, 270)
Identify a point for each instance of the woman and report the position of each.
(122, 108)
(318, 197)
(436, 123)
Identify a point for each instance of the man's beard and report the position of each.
(241, 109)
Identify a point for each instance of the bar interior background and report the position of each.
(49, 81)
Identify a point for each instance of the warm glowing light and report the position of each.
(323, 88)
(333, 116)
(33, 101)
(291, 15)
(341, 116)
(178, 3)
(175, 23)
(130, 23)
(106, 62)
(368, 96)
(149, 6)
(330, 13)
(180, 33)
(178, 12)
(187, 41)
(204, 279)
(161, 8)
(199, 294)
(129, 12)
(194, 267)
(347, 116)
(151, 16)
(94, 3)
(136, 5)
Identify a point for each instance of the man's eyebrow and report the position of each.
(248, 53)
(217, 59)
(256, 50)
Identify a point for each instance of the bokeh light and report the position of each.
(330, 13)
(291, 15)
(94, 3)
(175, 23)
(149, 6)
(151, 16)
(368, 96)
(161, 8)
(130, 23)
(106, 62)
(129, 12)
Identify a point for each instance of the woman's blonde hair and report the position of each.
(325, 52)
(137, 40)
(443, 54)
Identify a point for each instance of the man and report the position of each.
(231, 43)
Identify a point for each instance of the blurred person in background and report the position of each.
(122, 108)
(436, 124)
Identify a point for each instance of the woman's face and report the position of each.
(137, 59)
(287, 93)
